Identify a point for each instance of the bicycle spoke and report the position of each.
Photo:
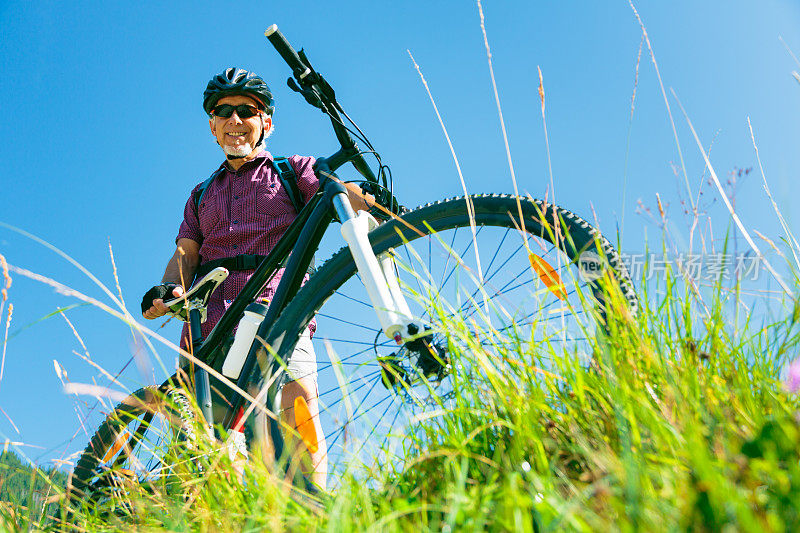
(411, 262)
(349, 341)
(496, 253)
(391, 425)
(452, 245)
(461, 256)
(357, 300)
(374, 427)
(355, 389)
(356, 417)
(344, 321)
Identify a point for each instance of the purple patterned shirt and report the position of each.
(243, 212)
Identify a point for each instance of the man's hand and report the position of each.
(361, 199)
(155, 298)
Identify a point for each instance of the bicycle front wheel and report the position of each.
(540, 282)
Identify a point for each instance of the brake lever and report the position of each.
(382, 196)
(316, 80)
(293, 85)
(310, 94)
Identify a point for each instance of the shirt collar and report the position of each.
(256, 161)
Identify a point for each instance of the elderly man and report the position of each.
(245, 209)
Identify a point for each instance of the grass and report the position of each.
(680, 422)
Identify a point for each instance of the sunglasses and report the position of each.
(242, 111)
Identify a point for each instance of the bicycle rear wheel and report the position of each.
(533, 287)
(132, 446)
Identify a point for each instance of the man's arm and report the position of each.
(184, 262)
(180, 269)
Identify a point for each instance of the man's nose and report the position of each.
(235, 118)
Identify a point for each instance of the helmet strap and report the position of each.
(263, 123)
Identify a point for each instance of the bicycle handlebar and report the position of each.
(301, 70)
(318, 93)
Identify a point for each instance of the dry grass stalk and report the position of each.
(725, 199)
(5, 340)
(782, 220)
(666, 102)
(502, 122)
(470, 207)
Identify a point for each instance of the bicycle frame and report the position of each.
(299, 242)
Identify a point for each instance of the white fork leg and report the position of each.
(378, 277)
(386, 261)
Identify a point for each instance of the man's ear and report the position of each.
(266, 123)
(211, 125)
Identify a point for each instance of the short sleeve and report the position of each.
(190, 227)
(307, 181)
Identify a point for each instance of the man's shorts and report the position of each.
(303, 363)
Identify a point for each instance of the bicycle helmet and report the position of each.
(235, 81)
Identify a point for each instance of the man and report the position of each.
(244, 210)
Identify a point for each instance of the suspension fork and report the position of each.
(377, 272)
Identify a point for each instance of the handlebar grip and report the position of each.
(301, 70)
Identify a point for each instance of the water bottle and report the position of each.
(253, 316)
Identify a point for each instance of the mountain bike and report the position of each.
(392, 308)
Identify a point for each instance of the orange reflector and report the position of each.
(548, 275)
(304, 424)
(118, 444)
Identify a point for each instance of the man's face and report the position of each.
(239, 136)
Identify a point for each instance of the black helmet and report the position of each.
(235, 81)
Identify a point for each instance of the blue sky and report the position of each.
(105, 134)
